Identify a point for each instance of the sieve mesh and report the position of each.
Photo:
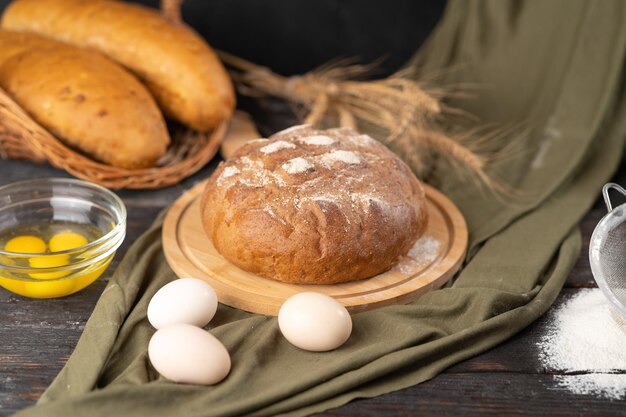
(612, 261)
(607, 251)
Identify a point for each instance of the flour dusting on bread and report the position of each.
(297, 165)
(293, 129)
(347, 157)
(252, 173)
(318, 140)
(277, 146)
(230, 171)
(313, 206)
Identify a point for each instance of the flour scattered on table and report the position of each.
(423, 252)
(601, 385)
(586, 341)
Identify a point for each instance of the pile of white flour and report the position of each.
(587, 340)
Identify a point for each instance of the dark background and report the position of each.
(294, 36)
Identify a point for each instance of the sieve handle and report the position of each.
(605, 194)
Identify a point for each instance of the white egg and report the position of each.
(186, 300)
(188, 354)
(314, 321)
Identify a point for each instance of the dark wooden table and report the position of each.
(37, 337)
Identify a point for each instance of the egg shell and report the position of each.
(186, 300)
(188, 354)
(314, 322)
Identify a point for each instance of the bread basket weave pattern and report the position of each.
(23, 138)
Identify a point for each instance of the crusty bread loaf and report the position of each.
(86, 99)
(180, 69)
(314, 207)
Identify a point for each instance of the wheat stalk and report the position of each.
(396, 110)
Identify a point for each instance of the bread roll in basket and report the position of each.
(21, 137)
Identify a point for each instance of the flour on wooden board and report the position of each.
(423, 252)
(587, 342)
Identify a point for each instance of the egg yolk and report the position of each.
(25, 244)
(66, 241)
(49, 289)
(49, 261)
(50, 284)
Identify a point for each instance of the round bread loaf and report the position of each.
(314, 207)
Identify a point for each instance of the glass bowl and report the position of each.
(42, 209)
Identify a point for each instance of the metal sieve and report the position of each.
(607, 251)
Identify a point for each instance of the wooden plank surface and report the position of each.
(37, 336)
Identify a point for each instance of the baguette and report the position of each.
(180, 69)
(84, 98)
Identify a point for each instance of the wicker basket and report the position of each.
(23, 138)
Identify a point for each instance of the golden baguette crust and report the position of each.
(83, 97)
(180, 69)
(314, 207)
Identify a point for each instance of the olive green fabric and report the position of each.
(556, 67)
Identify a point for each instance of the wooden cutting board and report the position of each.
(241, 131)
(190, 253)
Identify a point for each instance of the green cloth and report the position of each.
(555, 66)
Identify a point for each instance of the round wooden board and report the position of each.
(241, 131)
(190, 253)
